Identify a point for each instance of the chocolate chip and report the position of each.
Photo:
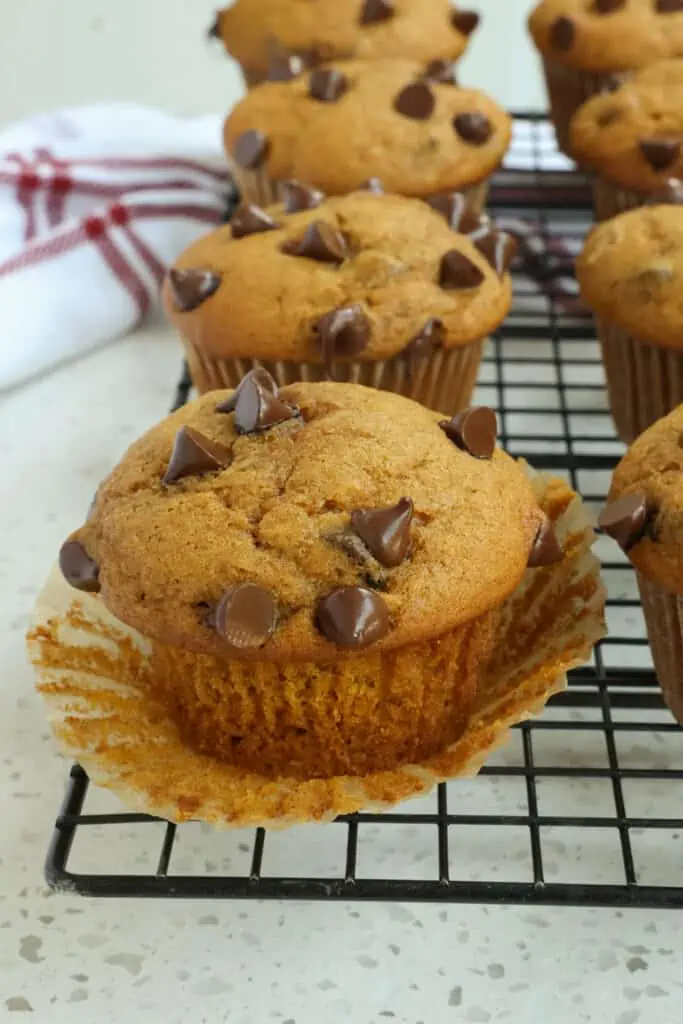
(465, 21)
(373, 185)
(671, 194)
(257, 405)
(376, 10)
(246, 616)
(440, 71)
(285, 67)
(474, 430)
(562, 32)
(214, 29)
(474, 128)
(192, 287)
(415, 101)
(660, 153)
(249, 219)
(458, 271)
(386, 531)
(431, 336)
(327, 85)
(625, 519)
(78, 568)
(251, 149)
(343, 332)
(498, 247)
(609, 115)
(353, 617)
(296, 196)
(546, 549)
(258, 373)
(193, 455)
(608, 6)
(668, 6)
(320, 242)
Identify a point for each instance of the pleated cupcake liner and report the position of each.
(610, 200)
(664, 620)
(567, 90)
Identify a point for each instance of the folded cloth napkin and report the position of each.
(95, 202)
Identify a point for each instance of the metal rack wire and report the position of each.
(567, 814)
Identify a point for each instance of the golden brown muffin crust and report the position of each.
(338, 145)
(268, 301)
(273, 518)
(608, 35)
(653, 465)
(631, 271)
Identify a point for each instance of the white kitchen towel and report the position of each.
(95, 202)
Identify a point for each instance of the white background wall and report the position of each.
(61, 52)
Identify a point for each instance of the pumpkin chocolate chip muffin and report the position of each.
(630, 274)
(277, 39)
(345, 123)
(318, 570)
(645, 517)
(588, 47)
(382, 290)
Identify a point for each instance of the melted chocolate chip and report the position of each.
(265, 380)
(373, 185)
(474, 430)
(608, 6)
(78, 568)
(562, 32)
(327, 85)
(440, 71)
(251, 149)
(343, 332)
(249, 219)
(625, 519)
(214, 29)
(430, 337)
(546, 549)
(193, 455)
(458, 271)
(465, 21)
(376, 10)
(320, 242)
(415, 101)
(386, 531)
(668, 6)
(498, 247)
(246, 616)
(660, 153)
(353, 617)
(474, 128)
(192, 287)
(296, 196)
(257, 405)
(285, 67)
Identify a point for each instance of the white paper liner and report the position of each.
(127, 742)
(567, 90)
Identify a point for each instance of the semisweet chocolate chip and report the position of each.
(285, 67)
(249, 219)
(415, 101)
(474, 128)
(376, 10)
(465, 21)
(440, 71)
(386, 531)
(78, 568)
(608, 6)
(546, 549)
(668, 6)
(246, 616)
(474, 430)
(258, 373)
(343, 332)
(431, 336)
(257, 405)
(353, 617)
(191, 287)
(625, 519)
(321, 242)
(373, 185)
(660, 153)
(327, 85)
(251, 149)
(609, 115)
(296, 196)
(214, 29)
(671, 194)
(498, 247)
(458, 271)
(562, 32)
(193, 455)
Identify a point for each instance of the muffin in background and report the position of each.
(633, 139)
(371, 288)
(278, 39)
(630, 274)
(589, 47)
(645, 517)
(345, 124)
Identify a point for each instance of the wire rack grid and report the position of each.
(567, 813)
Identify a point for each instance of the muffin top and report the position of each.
(645, 510)
(355, 277)
(608, 35)
(341, 124)
(263, 34)
(633, 136)
(630, 273)
(307, 523)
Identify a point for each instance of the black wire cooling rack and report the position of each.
(572, 810)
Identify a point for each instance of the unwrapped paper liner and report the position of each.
(126, 740)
